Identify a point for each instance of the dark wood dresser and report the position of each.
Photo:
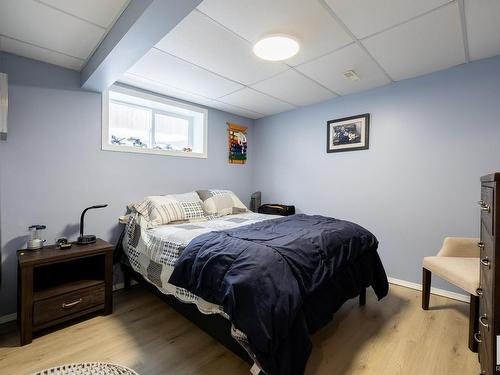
(56, 285)
(489, 301)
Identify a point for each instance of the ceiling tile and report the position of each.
(256, 102)
(35, 23)
(365, 18)
(202, 41)
(329, 69)
(294, 88)
(154, 86)
(482, 19)
(308, 21)
(100, 12)
(169, 70)
(424, 45)
(41, 54)
(235, 110)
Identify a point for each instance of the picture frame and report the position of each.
(348, 133)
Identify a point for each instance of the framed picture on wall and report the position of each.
(348, 133)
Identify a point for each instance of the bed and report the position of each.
(244, 278)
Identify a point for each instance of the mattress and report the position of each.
(154, 252)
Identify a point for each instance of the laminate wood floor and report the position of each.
(389, 337)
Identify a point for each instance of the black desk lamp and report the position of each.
(86, 239)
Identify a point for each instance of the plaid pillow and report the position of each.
(193, 210)
(159, 210)
(221, 202)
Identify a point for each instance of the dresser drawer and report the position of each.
(486, 350)
(486, 317)
(486, 204)
(486, 245)
(65, 305)
(484, 359)
(486, 335)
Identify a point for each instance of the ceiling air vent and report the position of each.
(351, 75)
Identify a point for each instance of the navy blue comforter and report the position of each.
(279, 280)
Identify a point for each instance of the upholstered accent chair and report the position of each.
(458, 263)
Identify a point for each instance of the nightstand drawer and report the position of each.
(68, 304)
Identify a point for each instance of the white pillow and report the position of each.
(186, 197)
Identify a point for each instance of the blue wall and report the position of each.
(55, 138)
(431, 138)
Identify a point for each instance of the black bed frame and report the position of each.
(215, 325)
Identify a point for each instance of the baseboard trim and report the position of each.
(118, 286)
(121, 285)
(392, 280)
(8, 318)
(436, 291)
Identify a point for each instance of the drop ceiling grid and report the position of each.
(59, 56)
(316, 80)
(305, 20)
(32, 51)
(294, 67)
(361, 41)
(250, 44)
(391, 23)
(424, 45)
(145, 83)
(483, 33)
(104, 19)
(251, 85)
(261, 86)
(200, 40)
(244, 86)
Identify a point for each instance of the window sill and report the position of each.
(134, 150)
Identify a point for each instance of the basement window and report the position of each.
(140, 122)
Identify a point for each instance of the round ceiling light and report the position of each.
(276, 47)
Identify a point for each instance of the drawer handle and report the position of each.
(484, 321)
(480, 245)
(479, 292)
(477, 337)
(71, 304)
(483, 206)
(486, 262)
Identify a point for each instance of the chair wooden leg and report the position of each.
(426, 288)
(473, 321)
(362, 297)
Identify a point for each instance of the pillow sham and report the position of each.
(221, 202)
(160, 210)
(186, 197)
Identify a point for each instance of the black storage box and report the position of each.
(277, 209)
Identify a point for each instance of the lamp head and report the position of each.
(87, 238)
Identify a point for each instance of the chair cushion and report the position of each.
(460, 271)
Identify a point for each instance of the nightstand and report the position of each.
(56, 285)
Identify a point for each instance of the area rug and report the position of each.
(89, 368)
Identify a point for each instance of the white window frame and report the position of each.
(107, 146)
